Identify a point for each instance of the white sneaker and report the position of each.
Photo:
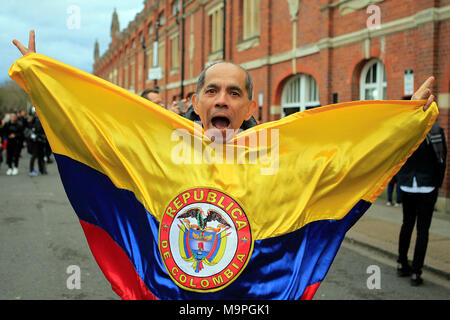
(15, 172)
(9, 172)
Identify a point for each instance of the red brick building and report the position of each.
(301, 54)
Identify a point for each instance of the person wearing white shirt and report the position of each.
(420, 179)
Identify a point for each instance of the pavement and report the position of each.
(379, 230)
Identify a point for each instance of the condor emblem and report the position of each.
(205, 240)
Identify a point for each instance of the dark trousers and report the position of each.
(37, 152)
(13, 152)
(420, 207)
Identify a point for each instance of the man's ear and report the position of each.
(194, 101)
(251, 109)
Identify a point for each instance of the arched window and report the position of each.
(299, 93)
(373, 81)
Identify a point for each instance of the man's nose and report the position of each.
(222, 99)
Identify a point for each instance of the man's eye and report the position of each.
(235, 93)
(211, 90)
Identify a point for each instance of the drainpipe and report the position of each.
(182, 49)
(224, 30)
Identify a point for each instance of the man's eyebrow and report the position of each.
(211, 85)
(232, 88)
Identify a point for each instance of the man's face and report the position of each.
(155, 98)
(222, 104)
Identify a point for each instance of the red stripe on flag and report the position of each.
(310, 291)
(115, 265)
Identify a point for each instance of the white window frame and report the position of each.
(380, 83)
(251, 21)
(297, 93)
(216, 17)
(175, 48)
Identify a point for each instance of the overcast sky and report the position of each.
(61, 33)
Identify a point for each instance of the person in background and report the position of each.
(2, 140)
(181, 107)
(13, 130)
(176, 107)
(37, 142)
(419, 179)
(390, 192)
(154, 96)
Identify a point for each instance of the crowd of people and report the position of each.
(18, 131)
(181, 106)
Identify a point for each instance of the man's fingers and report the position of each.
(424, 90)
(20, 46)
(32, 42)
(429, 102)
(426, 94)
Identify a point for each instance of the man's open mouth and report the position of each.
(220, 122)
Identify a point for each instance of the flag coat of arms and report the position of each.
(168, 214)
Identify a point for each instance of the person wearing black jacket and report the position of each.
(38, 141)
(419, 179)
(13, 131)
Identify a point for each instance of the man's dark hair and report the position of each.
(248, 80)
(189, 95)
(149, 90)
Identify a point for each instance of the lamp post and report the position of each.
(177, 20)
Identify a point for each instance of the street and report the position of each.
(42, 245)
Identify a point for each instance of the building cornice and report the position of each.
(430, 15)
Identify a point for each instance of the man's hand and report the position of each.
(31, 44)
(424, 93)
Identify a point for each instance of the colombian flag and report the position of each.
(169, 214)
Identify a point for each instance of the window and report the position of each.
(216, 22)
(300, 93)
(174, 43)
(114, 77)
(149, 53)
(150, 28)
(162, 18)
(250, 16)
(126, 76)
(176, 7)
(161, 56)
(132, 75)
(373, 81)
